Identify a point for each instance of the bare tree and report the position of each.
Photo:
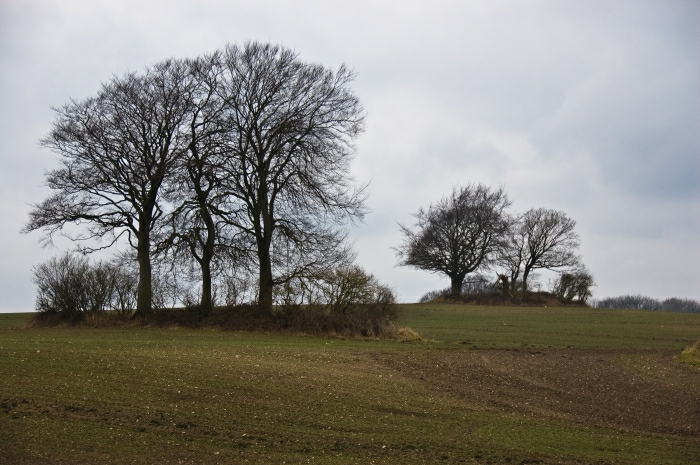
(118, 149)
(245, 146)
(457, 235)
(196, 227)
(290, 127)
(549, 241)
(512, 254)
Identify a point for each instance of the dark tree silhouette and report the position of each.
(549, 241)
(457, 235)
(118, 149)
(246, 149)
(574, 284)
(512, 253)
(290, 126)
(196, 227)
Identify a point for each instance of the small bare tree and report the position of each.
(512, 254)
(457, 235)
(547, 239)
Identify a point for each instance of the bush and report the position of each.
(576, 284)
(350, 289)
(346, 289)
(475, 284)
(307, 319)
(238, 289)
(69, 285)
(432, 295)
(61, 284)
(346, 301)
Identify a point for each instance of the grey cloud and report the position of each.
(585, 106)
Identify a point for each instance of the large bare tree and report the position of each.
(548, 239)
(196, 229)
(290, 127)
(458, 234)
(117, 149)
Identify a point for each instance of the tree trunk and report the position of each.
(264, 241)
(265, 283)
(526, 272)
(514, 280)
(456, 288)
(144, 290)
(144, 293)
(206, 301)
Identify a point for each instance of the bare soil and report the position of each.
(647, 391)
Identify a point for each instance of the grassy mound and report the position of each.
(530, 299)
(363, 322)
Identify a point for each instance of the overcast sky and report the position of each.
(590, 107)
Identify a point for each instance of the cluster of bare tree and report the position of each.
(236, 159)
(471, 230)
(640, 302)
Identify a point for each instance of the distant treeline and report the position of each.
(641, 302)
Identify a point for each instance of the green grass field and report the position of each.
(501, 327)
(486, 385)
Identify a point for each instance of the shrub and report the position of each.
(432, 295)
(345, 289)
(575, 284)
(350, 289)
(346, 301)
(239, 288)
(474, 284)
(638, 302)
(477, 284)
(62, 285)
(307, 319)
(69, 285)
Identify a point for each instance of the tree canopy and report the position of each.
(549, 240)
(245, 149)
(117, 149)
(458, 234)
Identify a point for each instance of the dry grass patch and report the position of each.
(406, 334)
(691, 355)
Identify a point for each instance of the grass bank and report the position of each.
(573, 327)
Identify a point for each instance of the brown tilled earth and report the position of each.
(634, 390)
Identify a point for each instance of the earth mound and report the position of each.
(530, 299)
